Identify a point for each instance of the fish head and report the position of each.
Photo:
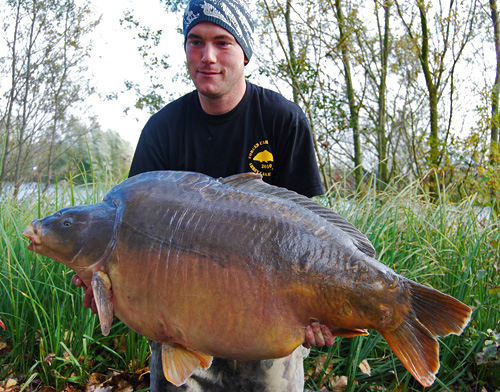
(75, 236)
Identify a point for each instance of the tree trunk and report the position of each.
(12, 95)
(292, 65)
(27, 86)
(62, 81)
(291, 48)
(353, 107)
(432, 90)
(383, 172)
(494, 142)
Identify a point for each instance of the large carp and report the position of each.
(237, 268)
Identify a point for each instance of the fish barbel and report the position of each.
(236, 268)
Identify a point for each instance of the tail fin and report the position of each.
(414, 341)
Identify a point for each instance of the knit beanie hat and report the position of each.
(232, 15)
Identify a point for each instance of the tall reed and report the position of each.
(51, 338)
(439, 244)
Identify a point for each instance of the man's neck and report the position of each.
(225, 103)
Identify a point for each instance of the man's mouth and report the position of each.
(208, 73)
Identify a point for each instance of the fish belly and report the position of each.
(228, 310)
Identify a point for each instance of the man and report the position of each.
(229, 126)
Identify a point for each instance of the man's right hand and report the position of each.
(88, 297)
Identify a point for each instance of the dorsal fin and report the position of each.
(254, 182)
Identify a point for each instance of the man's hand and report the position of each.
(318, 335)
(88, 297)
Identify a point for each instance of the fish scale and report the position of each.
(237, 268)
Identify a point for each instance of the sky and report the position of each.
(115, 59)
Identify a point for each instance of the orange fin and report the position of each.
(414, 342)
(350, 333)
(179, 363)
(2, 324)
(205, 360)
(101, 285)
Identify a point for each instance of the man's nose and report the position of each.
(209, 54)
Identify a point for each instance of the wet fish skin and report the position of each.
(70, 235)
(237, 268)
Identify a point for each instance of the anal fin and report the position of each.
(179, 363)
(101, 285)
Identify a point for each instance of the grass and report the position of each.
(442, 245)
(52, 340)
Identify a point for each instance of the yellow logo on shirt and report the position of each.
(260, 159)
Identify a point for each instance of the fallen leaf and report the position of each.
(365, 367)
(70, 388)
(124, 386)
(101, 388)
(49, 358)
(339, 383)
(10, 383)
(93, 383)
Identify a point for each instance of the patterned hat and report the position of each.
(232, 15)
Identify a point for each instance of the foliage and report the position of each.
(41, 70)
(451, 247)
(82, 152)
(396, 78)
(174, 5)
(159, 90)
(51, 338)
(154, 63)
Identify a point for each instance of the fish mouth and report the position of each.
(32, 234)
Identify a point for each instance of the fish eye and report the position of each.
(67, 222)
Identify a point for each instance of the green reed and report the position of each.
(51, 338)
(439, 244)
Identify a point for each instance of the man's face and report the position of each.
(215, 60)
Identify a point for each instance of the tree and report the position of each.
(292, 67)
(69, 53)
(438, 63)
(46, 53)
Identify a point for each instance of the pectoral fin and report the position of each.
(101, 285)
(179, 363)
(2, 324)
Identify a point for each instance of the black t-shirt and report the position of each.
(264, 133)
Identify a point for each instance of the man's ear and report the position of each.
(246, 60)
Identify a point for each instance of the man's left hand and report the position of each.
(317, 334)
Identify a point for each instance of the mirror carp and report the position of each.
(236, 268)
